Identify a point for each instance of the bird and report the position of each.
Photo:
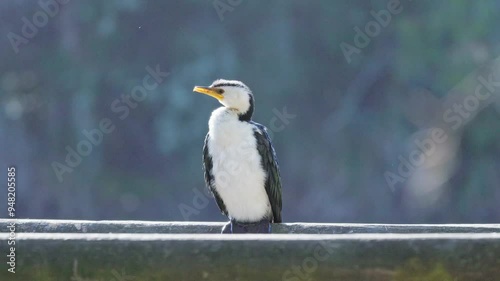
(239, 161)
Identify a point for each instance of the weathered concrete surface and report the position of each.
(346, 257)
(81, 226)
(127, 250)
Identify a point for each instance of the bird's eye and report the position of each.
(220, 91)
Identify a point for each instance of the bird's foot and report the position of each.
(263, 226)
(226, 228)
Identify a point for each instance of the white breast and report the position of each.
(237, 169)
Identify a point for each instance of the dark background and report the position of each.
(354, 116)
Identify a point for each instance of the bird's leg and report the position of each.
(263, 226)
(226, 228)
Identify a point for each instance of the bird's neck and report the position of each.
(221, 116)
(225, 114)
(225, 125)
(247, 116)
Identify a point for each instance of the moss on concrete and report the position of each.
(462, 257)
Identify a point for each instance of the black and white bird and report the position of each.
(239, 161)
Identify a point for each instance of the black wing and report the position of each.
(270, 165)
(209, 178)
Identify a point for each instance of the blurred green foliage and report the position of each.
(351, 118)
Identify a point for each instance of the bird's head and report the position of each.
(232, 94)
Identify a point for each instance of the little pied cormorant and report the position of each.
(239, 161)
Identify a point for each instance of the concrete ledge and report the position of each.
(136, 250)
(82, 226)
(399, 257)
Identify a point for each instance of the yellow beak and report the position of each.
(208, 91)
